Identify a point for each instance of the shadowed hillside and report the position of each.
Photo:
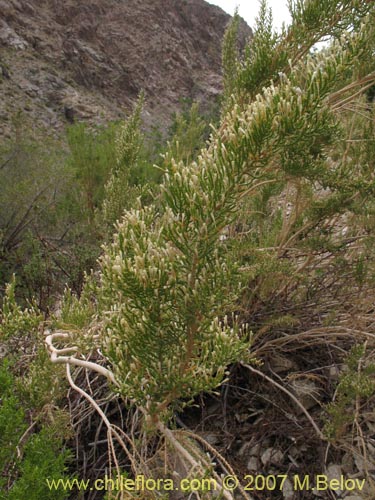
(61, 61)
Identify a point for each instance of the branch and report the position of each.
(168, 434)
(59, 355)
(336, 99)
(298, 403)
(111, 431)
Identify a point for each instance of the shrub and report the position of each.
(27, 458)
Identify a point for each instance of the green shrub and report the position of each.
(44, 458)
(356, 385)
(27, 457)
(91, 158)
(15, 321)
(169, 277)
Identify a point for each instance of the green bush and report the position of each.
(168, 278)
(29, 453)
(43, 458)
(355, 386)
(15, 321)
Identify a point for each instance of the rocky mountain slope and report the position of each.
(89, 59)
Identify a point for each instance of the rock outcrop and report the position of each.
(89, 59)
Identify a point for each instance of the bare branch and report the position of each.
(59, 355)
(292, 396)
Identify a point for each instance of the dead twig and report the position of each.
(298, 403)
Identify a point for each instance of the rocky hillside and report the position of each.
(89, 59)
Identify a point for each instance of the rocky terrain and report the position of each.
(88, 60)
